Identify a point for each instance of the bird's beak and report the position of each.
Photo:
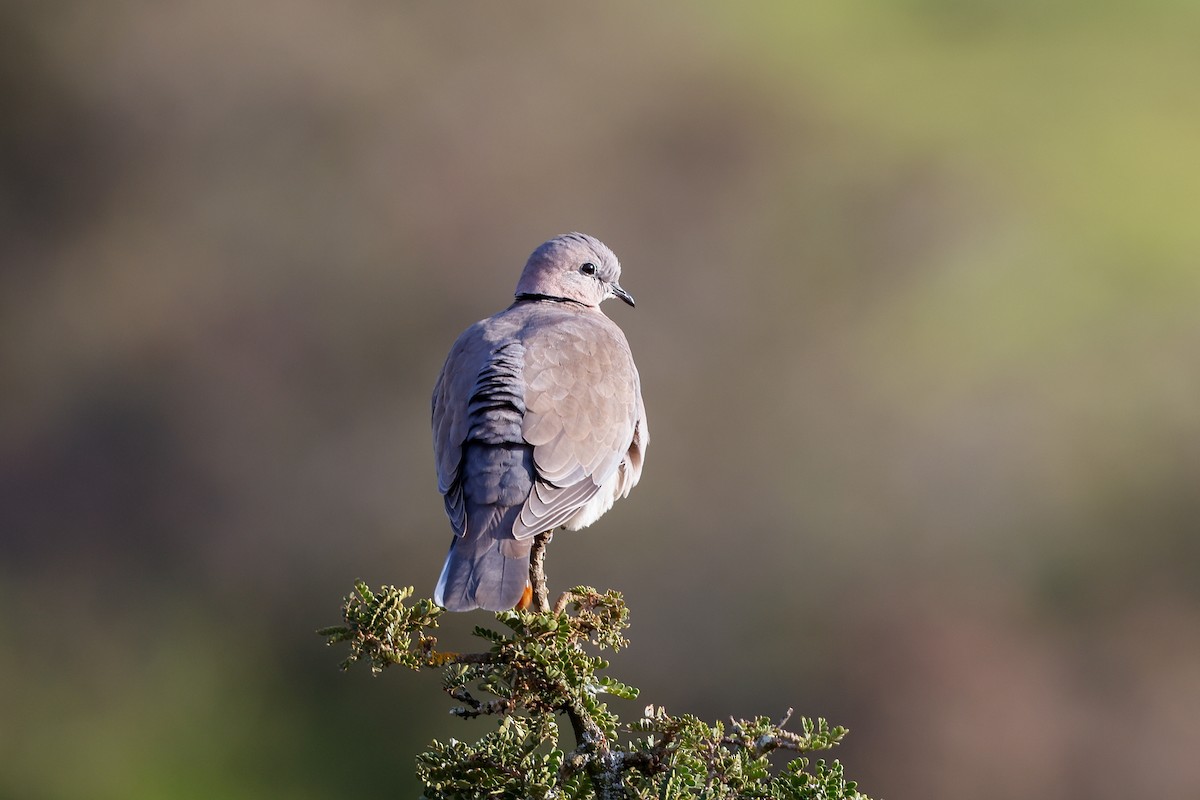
(622, 294)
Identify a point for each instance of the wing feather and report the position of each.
(582, 400)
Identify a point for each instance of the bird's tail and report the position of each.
(483, 572)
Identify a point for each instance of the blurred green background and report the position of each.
(918, 322)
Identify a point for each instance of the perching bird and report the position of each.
(538, 422)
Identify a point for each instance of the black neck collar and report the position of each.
(532, 296)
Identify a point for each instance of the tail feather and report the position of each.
(483, 572)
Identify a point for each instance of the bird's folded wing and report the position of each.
(477, 397)
(582, 401)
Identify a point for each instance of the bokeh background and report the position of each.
(918, 322)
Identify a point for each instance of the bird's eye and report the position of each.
(588, 268)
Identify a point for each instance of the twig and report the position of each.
(475, 708)
(782, 740)
(442, 659)
(537, 573)
(561, 605)
(500, 706)
(786, 719)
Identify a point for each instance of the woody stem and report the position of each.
(537, 573)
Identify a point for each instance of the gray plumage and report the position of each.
(538, 422)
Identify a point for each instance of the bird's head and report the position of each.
(574, 267)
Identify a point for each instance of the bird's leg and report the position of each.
(537, 573)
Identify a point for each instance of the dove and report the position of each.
(538, 422)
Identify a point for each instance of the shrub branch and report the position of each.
(545, 663)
